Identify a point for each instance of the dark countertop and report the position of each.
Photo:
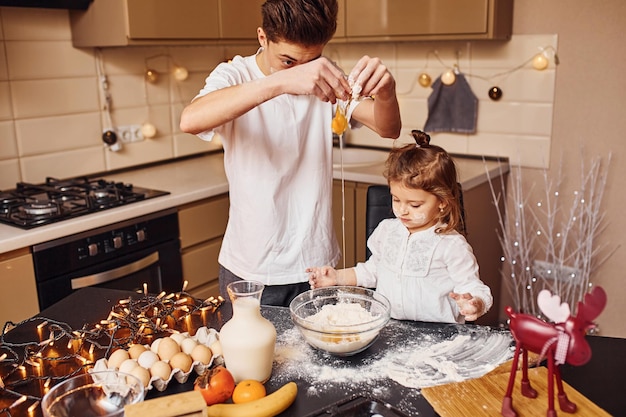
(601, 380)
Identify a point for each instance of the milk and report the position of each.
(248, 338)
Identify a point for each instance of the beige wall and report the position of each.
(51, 114)
(589, 102)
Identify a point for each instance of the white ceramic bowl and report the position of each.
(103, 393)
(340, 320)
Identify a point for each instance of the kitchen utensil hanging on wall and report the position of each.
(109, 136)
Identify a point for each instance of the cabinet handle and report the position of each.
(112, 274)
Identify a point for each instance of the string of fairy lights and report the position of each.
(59, 352)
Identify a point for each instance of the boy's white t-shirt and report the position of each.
(278, 161)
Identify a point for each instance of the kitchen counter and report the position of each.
(601, 380)
(196, 178)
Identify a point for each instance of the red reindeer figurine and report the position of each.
(560, 342)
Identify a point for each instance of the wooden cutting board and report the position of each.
(483, 397)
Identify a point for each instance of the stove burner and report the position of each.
(31, 205)
(41, 209)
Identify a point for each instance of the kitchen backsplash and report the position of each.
(52, 106)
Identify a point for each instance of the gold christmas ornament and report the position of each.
(540, 62)
(448, 77)
(180, 73)
(152, 76)
(148, 130)
(424, 80)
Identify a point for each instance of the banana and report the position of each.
(268, 406)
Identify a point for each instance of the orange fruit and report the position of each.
(248, 390)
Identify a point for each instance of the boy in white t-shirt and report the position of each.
(273, 112)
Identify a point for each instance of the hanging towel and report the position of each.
(452, 108)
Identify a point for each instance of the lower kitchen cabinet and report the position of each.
(18, 299)
(202, 226)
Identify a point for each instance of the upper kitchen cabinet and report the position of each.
(164, 22)
(376, 20)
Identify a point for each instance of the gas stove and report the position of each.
(33, 205)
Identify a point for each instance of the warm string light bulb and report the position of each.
(152, 76)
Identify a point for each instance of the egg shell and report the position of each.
(187, 345)
(136, 350)
(155, 346)
(116, 358)
(161, 370)
(168, 348)
(128, 365)
(202, 353)
(147, 359)
(216, 348)
(181, 361)
(143, 374)
(178, 337)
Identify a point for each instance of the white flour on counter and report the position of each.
(418, 361)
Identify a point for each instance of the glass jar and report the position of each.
(248, 339)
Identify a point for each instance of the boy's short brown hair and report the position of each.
(302, 22)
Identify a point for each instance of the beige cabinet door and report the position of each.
(415, 17)
(167, 19)
(239, 19)
(18, 299)
(344, 221)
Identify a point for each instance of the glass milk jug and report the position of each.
(248, 338)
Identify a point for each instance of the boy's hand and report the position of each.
(471, 307)
(320, 77)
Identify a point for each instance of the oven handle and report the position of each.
(112, 274)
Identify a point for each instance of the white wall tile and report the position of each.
(59, 133)
(40, 98)
(6, 111)
(9, 173)
(4, 74)
(31, 60)
(66, 164)
(8, 145)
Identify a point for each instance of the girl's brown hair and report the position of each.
(430, 168)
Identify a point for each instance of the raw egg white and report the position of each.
(116, 358)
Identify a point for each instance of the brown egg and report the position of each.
(168, 348)
(136, 350)
(181, 361)
(116, 358)
(161, 370)
(142, 373)
(202, 353)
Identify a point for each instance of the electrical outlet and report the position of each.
(551, 271)
(129, 133)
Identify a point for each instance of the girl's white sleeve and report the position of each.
(463, 267)
(366, 275)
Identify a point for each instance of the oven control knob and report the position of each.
(141, 235)
(92, 248)
(117, 242)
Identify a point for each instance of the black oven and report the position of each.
(125, 256)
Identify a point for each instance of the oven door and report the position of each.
(159, 268)
(123, 256)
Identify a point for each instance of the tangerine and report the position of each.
(248, 390)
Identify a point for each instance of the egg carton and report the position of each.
(204, 336)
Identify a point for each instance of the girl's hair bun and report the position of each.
(422, 139)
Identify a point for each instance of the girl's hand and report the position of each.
(471, 307)
(325, 276)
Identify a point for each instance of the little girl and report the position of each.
(420, 260)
